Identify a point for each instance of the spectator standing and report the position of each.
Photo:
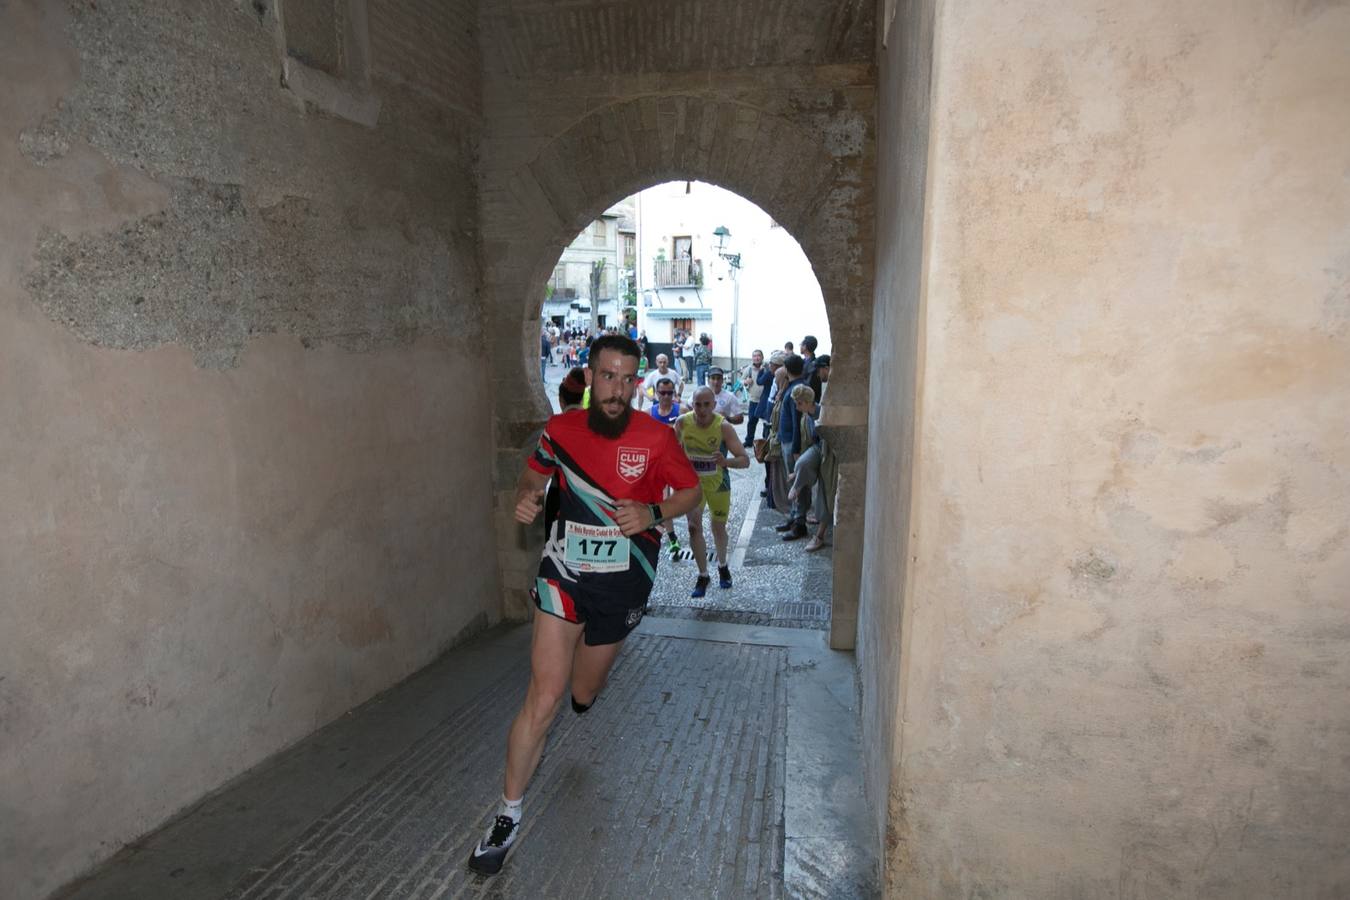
(686, 351)
(809, 344)
(816, 474)
(789, 438)
(754, 390)
(702, 360)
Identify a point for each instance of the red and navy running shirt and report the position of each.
(593, 472)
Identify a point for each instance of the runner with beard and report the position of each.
(599, 558)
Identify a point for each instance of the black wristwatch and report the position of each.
(655, 509)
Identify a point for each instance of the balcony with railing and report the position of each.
(678, 273)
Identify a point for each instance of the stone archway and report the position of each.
(810, 179)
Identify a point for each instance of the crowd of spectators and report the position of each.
(801, 473)
(779, 399)
(570, 345)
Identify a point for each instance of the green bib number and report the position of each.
(595, 548)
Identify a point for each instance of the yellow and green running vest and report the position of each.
(703, 445)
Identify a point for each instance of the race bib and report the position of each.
(704, 465)
(596, 548)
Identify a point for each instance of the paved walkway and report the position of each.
(722, 761)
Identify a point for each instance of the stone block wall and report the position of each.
(240, 339)
(884, 652)
(1123, 599)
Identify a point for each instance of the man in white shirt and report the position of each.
(750, 381)
(728, 407)
(662, 370)
(687, 355)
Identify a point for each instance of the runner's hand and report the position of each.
(632, 517)
(528, 504)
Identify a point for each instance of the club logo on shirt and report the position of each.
(632, 463)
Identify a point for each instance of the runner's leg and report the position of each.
(590, 669)
(719, 530)
(551, 652)
(697, 543)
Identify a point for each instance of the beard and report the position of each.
(605, 426)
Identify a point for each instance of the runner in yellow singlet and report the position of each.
(707, 439)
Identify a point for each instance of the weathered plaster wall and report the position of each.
(902, 165)
(1129, 622)
(782, 114)
(236, 337)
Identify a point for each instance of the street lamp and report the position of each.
(722, 232)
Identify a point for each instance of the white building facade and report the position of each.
(609, 241)
(755, 293)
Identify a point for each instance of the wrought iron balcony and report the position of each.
(678, 273)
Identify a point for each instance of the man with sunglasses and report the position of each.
(666, 409)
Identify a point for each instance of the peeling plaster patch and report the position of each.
(144, 81)
(43, 144)
(210, 270)
(1140, 447)
(845, 135)
(361, 629)
(1206, 454)
(1202, 560)
(143, 696)
(1315, 532)
(1336, 305)
(1094, 564)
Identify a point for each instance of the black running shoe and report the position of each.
(491, 851)
(700, 587)
(723, 577)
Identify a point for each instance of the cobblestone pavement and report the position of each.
(671, 786)
(774, 583)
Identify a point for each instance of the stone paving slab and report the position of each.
(672, 786)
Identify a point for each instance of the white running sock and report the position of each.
(511, 808)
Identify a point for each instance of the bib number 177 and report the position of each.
(595, 548)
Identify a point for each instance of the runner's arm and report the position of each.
(529, 495)
(737, 417)
(681, 502)
(633, 516)
(738, 459)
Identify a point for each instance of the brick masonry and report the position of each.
(430, 45)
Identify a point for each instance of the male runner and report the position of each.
(666, 409)
(707, 438)
(598, 563)
(662, 370)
